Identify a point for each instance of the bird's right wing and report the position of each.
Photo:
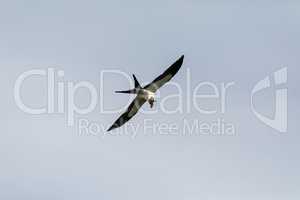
(133, 108)
(165, 77)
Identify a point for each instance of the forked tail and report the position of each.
(132, 91)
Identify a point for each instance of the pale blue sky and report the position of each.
(241, 41)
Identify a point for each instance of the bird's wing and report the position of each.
(135, 105)
(165, 77)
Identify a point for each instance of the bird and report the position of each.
(146, 93)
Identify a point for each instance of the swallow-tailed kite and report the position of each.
(145, 93)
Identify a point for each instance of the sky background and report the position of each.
(240, 41)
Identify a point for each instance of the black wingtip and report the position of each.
(110, 128)
(180, 59)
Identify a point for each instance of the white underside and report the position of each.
(146, 94)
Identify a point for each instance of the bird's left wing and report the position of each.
(133, 108)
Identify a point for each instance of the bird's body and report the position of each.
(146, 93)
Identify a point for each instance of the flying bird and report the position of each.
(146, 93)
